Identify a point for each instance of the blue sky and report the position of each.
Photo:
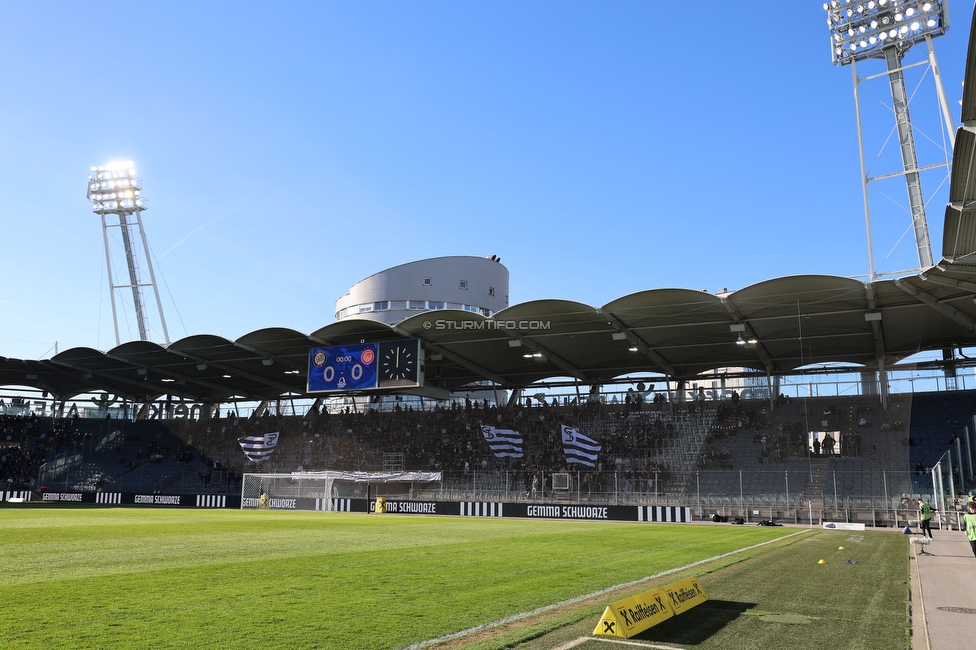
(289, 150)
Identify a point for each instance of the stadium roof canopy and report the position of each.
(774, 327)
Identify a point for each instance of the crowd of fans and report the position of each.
(25, 441)
(449, 439)
(635, 438)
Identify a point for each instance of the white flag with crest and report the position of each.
(504, 443)
(258, 448)
(579, 448)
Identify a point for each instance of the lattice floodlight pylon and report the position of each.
(885, 30)
(115, 193)
(321, 490)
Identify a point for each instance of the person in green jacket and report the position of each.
(926, 518)
(970, 519)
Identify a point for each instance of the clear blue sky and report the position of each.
(290, 149)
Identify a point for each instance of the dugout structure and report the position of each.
(321, 490)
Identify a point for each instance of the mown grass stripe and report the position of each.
(596, 594)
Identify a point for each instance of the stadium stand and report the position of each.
(718, 455)
(935, 420)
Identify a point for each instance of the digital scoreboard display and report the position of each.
(342, 368)
(366, 366)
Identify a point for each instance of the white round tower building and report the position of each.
(475, 284)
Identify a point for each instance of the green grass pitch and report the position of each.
(136, 578)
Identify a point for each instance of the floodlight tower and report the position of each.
(887, 29)
(115, 190)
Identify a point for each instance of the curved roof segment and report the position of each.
(959, 233)
(774, 326)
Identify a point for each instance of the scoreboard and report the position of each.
(366, 366)
(340, 368)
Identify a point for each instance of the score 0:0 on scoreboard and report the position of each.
(342, 368)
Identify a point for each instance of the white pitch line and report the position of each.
(547, 608)
(921, 601)
(639, 644)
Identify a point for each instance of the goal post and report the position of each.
(321, 490)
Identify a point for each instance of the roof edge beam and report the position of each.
(270, 383)
(642, 346)
(740, 319)
(109, 376)
(553, 358)
(949, 282)
(221, 390)
(464, 362)
(271, 357)
(948, 311)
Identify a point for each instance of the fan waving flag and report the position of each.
(258, 448)
(504, 443)
(579, 448)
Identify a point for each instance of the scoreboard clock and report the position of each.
(366, 366)
(400, 363)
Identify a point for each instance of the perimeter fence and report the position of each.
(800, 496)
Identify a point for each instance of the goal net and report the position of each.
(324, 490)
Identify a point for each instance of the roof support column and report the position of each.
(313, 410)
(883, 379)
(514, 397)
(207, 411)
(874, 317)
(259, 411)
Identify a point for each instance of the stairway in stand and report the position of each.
(816, 483)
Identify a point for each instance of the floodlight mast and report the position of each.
(115, 190)
(887, 29)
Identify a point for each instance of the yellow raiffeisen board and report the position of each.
(630, 616)
(684, 594)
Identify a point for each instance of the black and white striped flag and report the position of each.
(579, 448)
(504, 443)
(258, 448)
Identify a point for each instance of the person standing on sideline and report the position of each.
(970, 519)
(925, 521)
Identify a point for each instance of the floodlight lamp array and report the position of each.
(861, 29)
(115, 188)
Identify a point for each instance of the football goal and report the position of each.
(328, 490)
